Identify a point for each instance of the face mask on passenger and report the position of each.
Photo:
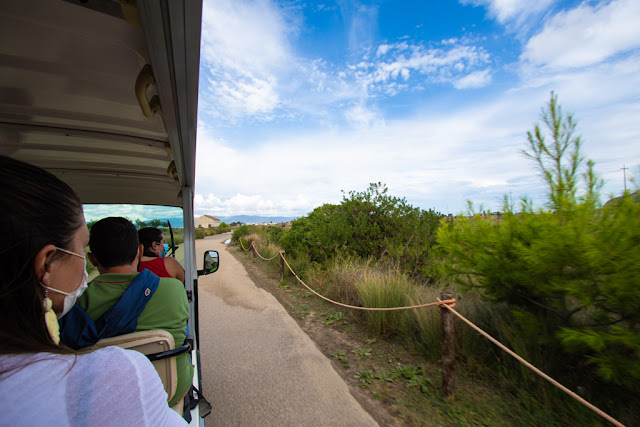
(166, 249)
(70, 298)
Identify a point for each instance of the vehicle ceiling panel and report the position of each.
(67, 103)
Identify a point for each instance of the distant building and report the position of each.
(207, 221)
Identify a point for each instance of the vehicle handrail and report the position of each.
(169, 353)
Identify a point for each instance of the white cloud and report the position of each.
(474, 80)
(586, 35)
(434, 159)
(511, 10)
(244, 50)
(250, 71)
(241, 204)
(244, 35)
(382, 50)
(133, 212)
(425, 159)
(249, 96)
(404, 61)
(362, 117)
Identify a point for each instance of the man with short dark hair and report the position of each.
(115, 251)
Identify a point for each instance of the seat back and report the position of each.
(150, 342)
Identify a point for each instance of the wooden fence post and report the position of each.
(253, 248)
(448, 347)
(281, 264)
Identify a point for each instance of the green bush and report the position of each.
(569, 275)
(274, 234)
(201, 233)
(370, 224)
(242, 231)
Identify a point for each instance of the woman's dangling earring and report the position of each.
(50, 318)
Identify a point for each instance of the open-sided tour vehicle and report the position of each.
(104, 95)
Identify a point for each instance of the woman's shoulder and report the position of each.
(172, 262)
(115, 356)
(120, 385)
(107, 384)
(126, 381)
(119, 366)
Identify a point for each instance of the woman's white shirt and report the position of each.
(108, 387)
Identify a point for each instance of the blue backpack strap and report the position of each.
(78, 330)
(122, 317)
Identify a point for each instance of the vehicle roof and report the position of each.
(67, 101)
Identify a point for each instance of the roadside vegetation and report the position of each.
(558, 285)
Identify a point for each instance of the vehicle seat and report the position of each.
(151, 342)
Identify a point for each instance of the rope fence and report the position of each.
(354, 307)
(536, 370)
(448, 304)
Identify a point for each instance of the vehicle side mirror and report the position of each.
(210, 263)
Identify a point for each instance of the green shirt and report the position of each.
(168, 309)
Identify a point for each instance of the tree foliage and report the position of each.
(368, 224)
(574, 269)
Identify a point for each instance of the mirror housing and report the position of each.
(210, 263)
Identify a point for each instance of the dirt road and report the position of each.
(258, 366)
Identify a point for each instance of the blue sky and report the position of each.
(300, 100)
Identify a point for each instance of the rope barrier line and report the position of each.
(258, 253)
(452, 301)
(242, 246)
(449, 304)
(534, 369)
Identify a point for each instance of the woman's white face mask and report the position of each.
(70, 298)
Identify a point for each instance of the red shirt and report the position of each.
(156, 266)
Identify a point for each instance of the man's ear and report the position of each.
(140, 251)
(92, 259)
(43, 257)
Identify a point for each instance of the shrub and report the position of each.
(570, 275)
(369, 224)
(274, 234)
(242, 231)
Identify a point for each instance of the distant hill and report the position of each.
(254, 219)
(247, 219)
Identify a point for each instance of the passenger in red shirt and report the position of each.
(153, 257)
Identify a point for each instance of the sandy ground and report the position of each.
(258, 366)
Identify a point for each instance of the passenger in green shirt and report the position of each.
(115, 251)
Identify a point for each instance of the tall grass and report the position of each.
(268, 250)
(338, 278)
(385, 289)
(425, 329)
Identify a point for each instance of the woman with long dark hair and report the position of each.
(153, 257)
(42, 272)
